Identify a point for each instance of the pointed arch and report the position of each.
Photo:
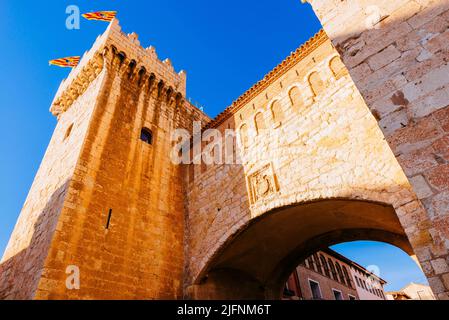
(348, 278)
(332, 268)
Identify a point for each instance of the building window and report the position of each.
(351, 297)
(340, 274)
(332, 267)
(337, 294)
(288, 292)
(146, 136)
(315, 289)
(364, 285)
(325, 266)
(348, 279)
(311, 263)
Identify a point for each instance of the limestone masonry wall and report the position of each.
(397, 54)
(306, 135)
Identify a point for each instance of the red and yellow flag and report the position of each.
(101, 15)
(68, 62)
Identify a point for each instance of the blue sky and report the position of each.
(391, 263)
(225, 47)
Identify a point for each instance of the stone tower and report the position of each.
(107, 200)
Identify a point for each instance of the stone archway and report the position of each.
(256, 261)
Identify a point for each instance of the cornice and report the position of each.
(295, 57)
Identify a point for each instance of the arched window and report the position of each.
(311, 263)
(332, 267)
(340, 273)
(316, 84)
(146, 136)
(337, 67)
(325, 266)
(276, 109)
(260, 123)
(348, 278)
(295, 97)
(244, 139)
(318, 263)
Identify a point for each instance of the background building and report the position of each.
(327, 275)
(369, 286)
(413, 291)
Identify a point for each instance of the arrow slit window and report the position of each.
(146, 135)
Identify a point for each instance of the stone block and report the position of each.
(383, 58)
(440, 266)
(440, 204)
(421, 187)
(438, 177)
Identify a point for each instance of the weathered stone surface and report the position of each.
(414, 118)
(383, 58)
(331, 149)
(421, 187)
(440, 266)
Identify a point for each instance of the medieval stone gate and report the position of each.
(317, 167)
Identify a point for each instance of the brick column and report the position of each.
(397, 53)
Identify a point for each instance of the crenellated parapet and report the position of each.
(117, 49)
(128, 45)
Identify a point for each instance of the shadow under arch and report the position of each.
(256, 261)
